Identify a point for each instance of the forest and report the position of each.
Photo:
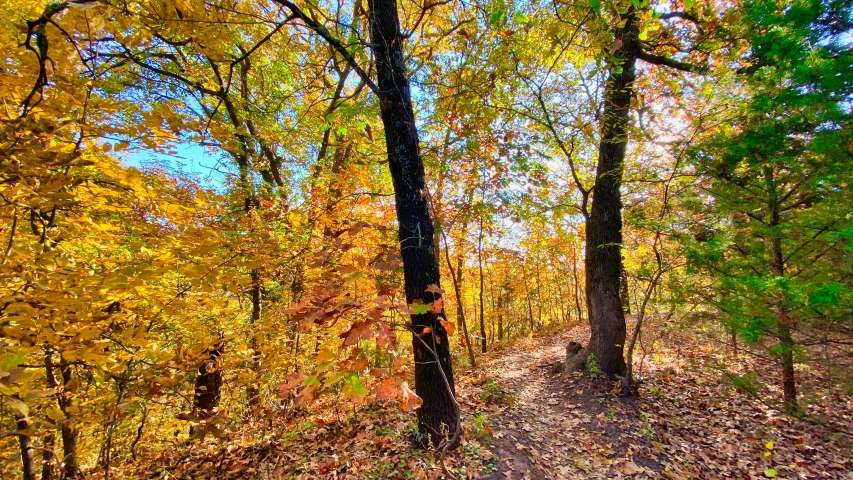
(426, 239)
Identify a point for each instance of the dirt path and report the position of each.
(559, 428)
(686, 424)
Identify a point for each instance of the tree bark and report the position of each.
(604, 226)
(529, 301)
(483, 344)
(208, 384)
(68, 431)
(783, 331)
(501, 316)
(252, 392)
(438, 418)
(28, 462)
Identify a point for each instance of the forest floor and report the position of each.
(522, 421)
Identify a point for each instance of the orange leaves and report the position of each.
(385, 336)
(433, 288)
(391, 388)
(388, 262)
(294, 380)
(411, 400)
(388, 389)
(357, 332)
(449, 327)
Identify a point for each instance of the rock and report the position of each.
(575, 358)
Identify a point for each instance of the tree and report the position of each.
(776, 178)
(439, 416)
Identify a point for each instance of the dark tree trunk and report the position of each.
(68, 431)
(604, 226)
(500, 317)
(529, 301)
(208, 384)
(47, 456)
(252, 392)
(28, 462)
(483, 343)
(783, 331)
(438, 418)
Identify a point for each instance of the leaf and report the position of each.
(496, 17)
(595, 5)
(644, 35)
(520, 17)
(630, 468)
(419, 308)
(325, 355)
(437, 306)
(769, 445)
(388, 389)
(449, 327)
(411, 400)
(770, 473)
(385, 336)
(425, 331)
(354, 390)
(433, 288)
(358, 331)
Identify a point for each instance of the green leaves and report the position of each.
(520, 17)
(595, 5)
(497, 18)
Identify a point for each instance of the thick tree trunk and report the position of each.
(438, 418)
(604, 227)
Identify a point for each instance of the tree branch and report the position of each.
(670, 62)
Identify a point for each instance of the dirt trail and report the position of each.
(559, 428)
(686, 424)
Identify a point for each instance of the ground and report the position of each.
(685, 423)
(524, 421)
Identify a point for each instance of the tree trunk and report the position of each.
(527, 294)
(252, 391)
(28, 462)
(438, 418)
(576, 286)
(604, 226)
(483, 345)
(783, 331)
(208, 383)
(68, 431)
(501, 316)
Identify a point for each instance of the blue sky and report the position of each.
(208, 167)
